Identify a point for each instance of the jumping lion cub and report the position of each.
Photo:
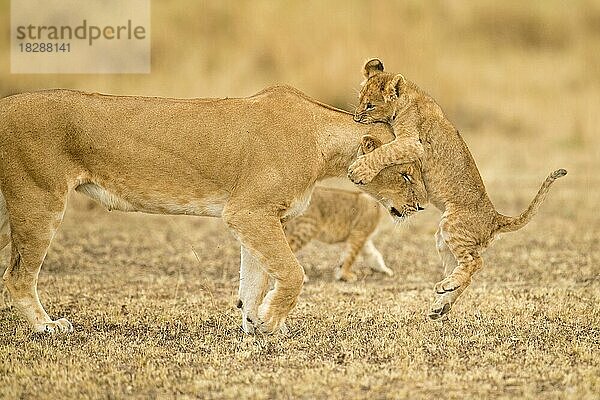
(469, 220)
(343, 216)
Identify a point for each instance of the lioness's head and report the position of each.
(383, 96)
(399, 188)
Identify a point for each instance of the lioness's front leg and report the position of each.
(261, 234)
(254, 283)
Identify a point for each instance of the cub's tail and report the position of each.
(511, 224)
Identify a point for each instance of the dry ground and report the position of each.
(152, 298)
(152, 320)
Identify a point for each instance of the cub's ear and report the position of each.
(369, 143)
(394, 87)
(372, 67)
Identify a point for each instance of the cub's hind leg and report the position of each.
(33, 226)
(461, 260)
(299, 231)
(354, 245)
(448, 260)
(375, 259)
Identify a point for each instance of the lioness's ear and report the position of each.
(369, 143)
(394, 87)
(372, 67)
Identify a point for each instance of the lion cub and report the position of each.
(340, 216)
(469, 221)
(351, 218)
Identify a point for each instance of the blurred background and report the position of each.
(508, 74)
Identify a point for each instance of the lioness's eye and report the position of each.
(407, 178)
(370, 106)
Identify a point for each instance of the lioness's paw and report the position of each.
(59, 326)
(439, 309)
(269, 328)
(271, 314)
(248, 325)
(449, 284)
(271, 325)
(360, 173)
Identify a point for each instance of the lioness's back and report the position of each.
(241, 135)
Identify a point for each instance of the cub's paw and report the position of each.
(345, 276)
(360, 173)
(61, 325)
(439, 309)
(384, 270)
(449, 284)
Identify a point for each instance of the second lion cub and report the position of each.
(352, 218)
(340, 216)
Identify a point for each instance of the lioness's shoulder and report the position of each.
(280, 90)
(283, 93)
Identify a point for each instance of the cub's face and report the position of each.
(399, 188)
(383, 95)
(373, 106)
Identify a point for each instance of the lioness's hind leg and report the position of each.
(32, 231)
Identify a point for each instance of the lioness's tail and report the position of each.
(510, 224)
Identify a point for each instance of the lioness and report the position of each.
(469, 220)
(351, 218)
(252, 161)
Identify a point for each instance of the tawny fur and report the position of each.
(350, 218)
(469, 221)
(252, 161)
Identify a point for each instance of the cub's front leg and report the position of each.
(265, 248)
(399, 151)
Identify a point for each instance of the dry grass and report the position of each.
(152, 321)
